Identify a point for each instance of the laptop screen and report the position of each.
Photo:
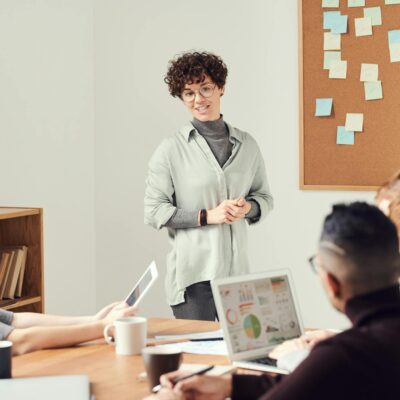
(259, 313)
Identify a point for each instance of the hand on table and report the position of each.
(306, 341)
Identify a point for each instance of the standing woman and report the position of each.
(203, 184)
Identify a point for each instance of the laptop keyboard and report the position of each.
(265, 361)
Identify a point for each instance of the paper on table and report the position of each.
(338, 70)
(375, 14)
(199, 335)
(218, 370)
(369, 73)
(213, 347)
(363, 26)
(392, 1)
(354, 122)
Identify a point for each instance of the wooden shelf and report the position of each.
(24, 226)
(17, 303)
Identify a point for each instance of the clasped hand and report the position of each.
(228, 212)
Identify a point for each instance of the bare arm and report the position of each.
(27, 320)
(46, 337)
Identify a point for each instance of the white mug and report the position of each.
(129, 335)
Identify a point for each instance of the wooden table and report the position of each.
(111, 376)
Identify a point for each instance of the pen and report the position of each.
(207, 340)
(175, 381)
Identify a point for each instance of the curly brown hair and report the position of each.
(192, 66)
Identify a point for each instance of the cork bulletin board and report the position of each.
(375, 154)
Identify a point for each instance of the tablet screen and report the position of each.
(144, 283)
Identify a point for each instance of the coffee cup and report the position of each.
(5, 359)
(159, 361)
(129, 335)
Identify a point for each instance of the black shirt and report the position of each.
(362, 363)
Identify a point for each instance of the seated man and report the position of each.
(388, 200)
(33, 331)
(358, 263)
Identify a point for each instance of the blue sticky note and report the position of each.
(394, 36)
(340, 25)
(330, 18)
(343, 136)
(323, 107)
(336, 22)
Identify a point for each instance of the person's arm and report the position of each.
(159, 194)
(27, 320)
(46, 337)
(260, 192)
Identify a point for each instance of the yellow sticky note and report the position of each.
(331, 41)
(373, 90)
(394, 49)
(338, 70)
(354, 122)
(369, 73)
(363, 26)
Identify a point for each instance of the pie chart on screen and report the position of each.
(252, 326)
(231, 316)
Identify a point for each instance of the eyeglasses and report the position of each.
(313, 263)
(205, 91)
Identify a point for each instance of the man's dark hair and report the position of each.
(192, 67)
(369, 240)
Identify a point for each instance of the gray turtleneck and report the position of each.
(216, 135)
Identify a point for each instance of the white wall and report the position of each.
(87, 166)
(46, 137)
(258, 41)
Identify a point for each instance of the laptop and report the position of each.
(257, 312)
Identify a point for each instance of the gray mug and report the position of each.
(159, 361)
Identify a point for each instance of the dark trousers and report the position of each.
(199, 303)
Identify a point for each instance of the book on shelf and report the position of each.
(3, 283)
(5, 257)
(18, 290)
(11, 284)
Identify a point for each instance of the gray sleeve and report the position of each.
(5, 323)
(5, 330)
(6, 317)
(255, 210)
(182, 219)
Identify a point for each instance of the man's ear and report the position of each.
(333, 285)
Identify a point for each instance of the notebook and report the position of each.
(257, 312)
(63, 387)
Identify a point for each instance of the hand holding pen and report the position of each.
(170, 380)
(200, 386)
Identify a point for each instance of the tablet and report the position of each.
(143, 285)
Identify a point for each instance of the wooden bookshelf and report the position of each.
(24, 226)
